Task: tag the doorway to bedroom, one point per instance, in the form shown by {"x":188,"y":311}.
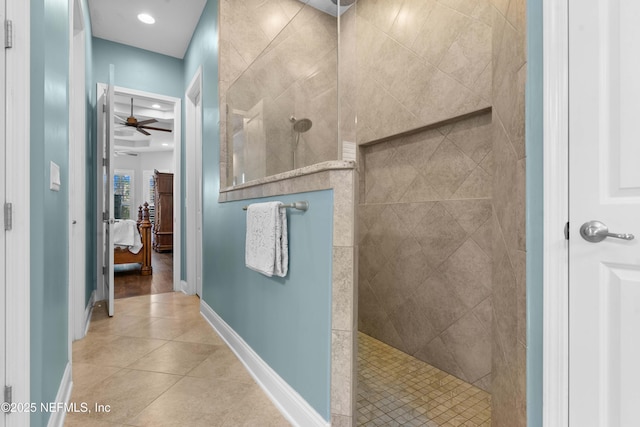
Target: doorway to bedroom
{"x":144,"y":178}
{"x":143,"y":172}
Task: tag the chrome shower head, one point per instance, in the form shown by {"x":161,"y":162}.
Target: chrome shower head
{"x":302,"y":125}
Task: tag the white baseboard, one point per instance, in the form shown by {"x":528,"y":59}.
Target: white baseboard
{"x":87,"y":313}
{"x":64,"y":395}
{"x":292,"y":406}
{"x":184,"y":287}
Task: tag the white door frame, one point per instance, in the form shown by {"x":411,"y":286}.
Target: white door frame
{"x":177,"y":140}
{"x":556,"y":214}
{"x":77,"y":173}
{"x":18,"y":171}
{"x":193,"y":174}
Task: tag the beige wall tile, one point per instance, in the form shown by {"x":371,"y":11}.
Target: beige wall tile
{"x":437,"y":354}
{"x":421,"y":270}
{"x":342,"y":294}
{"x":342,"y":371}
{"x":439,"y":31}
{"x":470,"y":344}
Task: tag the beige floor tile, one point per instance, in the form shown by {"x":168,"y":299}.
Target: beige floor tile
{"x":160,"y":335}
{"x":118,"y":352}
{"x":162,"y":417}
{"x":154,"y":309}
{"x":174,"y":358}
{"x":177,"y":298}
{"x":125,"y":305}
{"x":127,"y":393}
{"x":158,"y":328}
{"x":85,"y":375}
{"x":117,"y":325}
{"x":222,"y":364}
{"x":203,"y":333}
{"x":90,"y":341}
{"x":257,"y":410}
{"x":79,"y":420}
{"x":196,"y":395}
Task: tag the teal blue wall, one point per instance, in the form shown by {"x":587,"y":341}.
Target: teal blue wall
{"x":534,"y":135}
{"x":49,"y":313}
{"x":287,"y":321}
{"x":91,"y":159}
{"x":137,"y":68}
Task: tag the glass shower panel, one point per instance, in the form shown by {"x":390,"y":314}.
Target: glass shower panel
{"x":282,"y":111}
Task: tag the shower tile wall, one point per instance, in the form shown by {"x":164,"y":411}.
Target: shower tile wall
{"x":425,"y":284}
{"x":278,"y":59}
{"x":420,"y":62}
{"x":509,"y":268}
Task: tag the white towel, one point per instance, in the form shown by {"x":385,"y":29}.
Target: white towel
{"x":267,"y":248}
{"x":126,"y":234}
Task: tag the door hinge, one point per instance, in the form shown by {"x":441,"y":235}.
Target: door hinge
{"x":105,"y":163}
{"x":8,"y":391}
{"x":105,"y":216}
{"x":8,"y":216}
{"x":566,"y":231}
{"x":104,"y":270}
{"x":8,"y":34}
{"x":104,"y":108}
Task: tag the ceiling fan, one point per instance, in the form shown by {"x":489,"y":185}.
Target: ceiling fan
{"x":140,"y":126}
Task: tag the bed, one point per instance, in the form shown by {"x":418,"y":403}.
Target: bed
{"x":126,"y":249}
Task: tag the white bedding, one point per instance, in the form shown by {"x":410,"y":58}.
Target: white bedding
{"x":126,"y":235}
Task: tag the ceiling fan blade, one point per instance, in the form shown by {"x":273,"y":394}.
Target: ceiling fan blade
{"x":153,"y":128}
{"x":143,"y":131}
{"x":147,"y":122}
{"x":126,"y":153}
{"x":119,"y":118}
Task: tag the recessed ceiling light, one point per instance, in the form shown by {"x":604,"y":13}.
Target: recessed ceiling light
{"x":164,"y":144}
{"x":146,"y":18}
{"x":156,"y":105}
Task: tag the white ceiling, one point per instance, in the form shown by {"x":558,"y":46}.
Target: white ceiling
{"x":176,"y":20}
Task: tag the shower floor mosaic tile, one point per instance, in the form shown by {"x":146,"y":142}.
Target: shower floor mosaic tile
{"x":395,"y":389}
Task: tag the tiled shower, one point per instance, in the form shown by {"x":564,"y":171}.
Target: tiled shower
{"x":440,"y":130}
{"x":432,"y":92}
{"x":425,"y":246}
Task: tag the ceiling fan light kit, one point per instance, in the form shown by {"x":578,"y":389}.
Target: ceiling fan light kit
{"x":141,"y":126}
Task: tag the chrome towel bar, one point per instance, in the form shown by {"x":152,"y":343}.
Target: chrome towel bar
{"x":301,"y":206}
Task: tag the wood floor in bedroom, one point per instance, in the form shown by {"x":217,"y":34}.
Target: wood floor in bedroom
{"x":129,"y":283}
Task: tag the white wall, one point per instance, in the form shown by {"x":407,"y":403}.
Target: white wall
{"x":163,"y":161}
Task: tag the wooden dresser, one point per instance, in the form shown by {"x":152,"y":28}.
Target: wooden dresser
{"x":163,"y":221}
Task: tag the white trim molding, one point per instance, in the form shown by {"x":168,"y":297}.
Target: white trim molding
{"x":56,"y":419}
{"x":193,"y":177}
{"x":18,"y":173}
{"x":184,"y":287}
{"x":292,"y":406}
{"x":87,"y":313}
{"x":556,"y":214}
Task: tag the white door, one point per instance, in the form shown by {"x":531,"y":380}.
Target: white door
{"x":194,"y":185}
{"x":604,"y":146}
{"x":3,"y":259}
{"x":107,"y":189}
{"x":198,"y":167}
{"x":77,"y":201}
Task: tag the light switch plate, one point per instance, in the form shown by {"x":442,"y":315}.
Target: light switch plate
{"x":54,"y":177}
